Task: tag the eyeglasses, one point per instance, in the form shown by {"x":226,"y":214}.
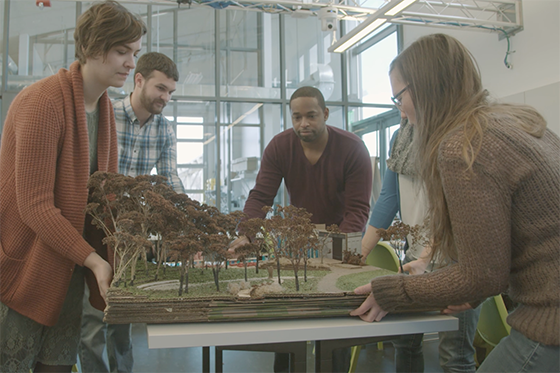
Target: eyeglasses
{"x":396,"y":99}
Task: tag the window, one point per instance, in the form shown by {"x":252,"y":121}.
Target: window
{"x":234,"y":86}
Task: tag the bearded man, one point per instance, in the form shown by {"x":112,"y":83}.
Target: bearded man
{"x":145,"y":140}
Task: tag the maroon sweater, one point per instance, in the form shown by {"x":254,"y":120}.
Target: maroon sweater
{"x":336,"y":189}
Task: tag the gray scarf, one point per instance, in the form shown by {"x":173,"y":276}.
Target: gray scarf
{"x":401,"y":159}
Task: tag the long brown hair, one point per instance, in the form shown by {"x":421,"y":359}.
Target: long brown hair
{"x":446,"y":89}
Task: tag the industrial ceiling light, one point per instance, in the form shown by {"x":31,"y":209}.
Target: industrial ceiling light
{"x":399,"y":7}
{"x":371,"y":23}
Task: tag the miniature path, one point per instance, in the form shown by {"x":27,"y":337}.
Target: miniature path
{"x":328,"y":283}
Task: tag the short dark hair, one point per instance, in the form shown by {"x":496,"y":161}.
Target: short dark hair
{"x":104,"y":26}
{"x":149,"y":62}
{"x":309,"y":92}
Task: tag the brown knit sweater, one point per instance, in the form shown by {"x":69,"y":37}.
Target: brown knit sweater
{"x":44,"y":169}
{"x":506,"y":225}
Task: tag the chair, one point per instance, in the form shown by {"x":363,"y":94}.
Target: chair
{"x":382,"y":256}
{"x":491,"y":328}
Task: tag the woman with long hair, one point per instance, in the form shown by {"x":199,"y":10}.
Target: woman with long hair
{"x":492,"y":178}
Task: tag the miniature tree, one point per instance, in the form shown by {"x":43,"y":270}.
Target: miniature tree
{"x":182,"y":248}
{"x":245,"y":251}
{"x":220,"y":229}
{"x":254,"y":230}
{"x":127,"y":244}
{"x":216,"y":251}
{"x":181,"y":237}
{"x":145,"y":195}
{"x":301,"y":233}
{"x":263,"y":242}
{"x":292,"y":230}
{"x":190,"y":214}
{"x":396,"y":234}
{"x":312,"y":245}
{"x":273,"y":228}
{"x":160,"y":219}
{"x":350,"y":257}
{"x":120,"y":208}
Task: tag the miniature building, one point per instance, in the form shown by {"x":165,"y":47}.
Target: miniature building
{"x":337,"y":243}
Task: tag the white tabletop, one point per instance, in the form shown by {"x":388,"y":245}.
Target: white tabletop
{"x":278,"y":331}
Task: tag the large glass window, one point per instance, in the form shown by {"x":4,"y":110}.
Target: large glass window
{"x":196,"y":147}
{"x":246,"y":129}
{"x":307,"y":59}
{"x":249,"y":64}
{"x":38,"y":48}
{"x":369,"y":85}
{"x":222,"y":131}
{"x":373,"y":69}
{"x":195,"y":52}
{"x":371,"y":140}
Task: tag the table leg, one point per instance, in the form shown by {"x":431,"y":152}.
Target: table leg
{"x":324,"y":349}
{"x":323,"y":357}
{"x":299,"y":360}
{"x":206,"y":360}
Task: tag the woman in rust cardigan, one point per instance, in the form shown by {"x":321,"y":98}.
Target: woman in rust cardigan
{"x":57,"y":132}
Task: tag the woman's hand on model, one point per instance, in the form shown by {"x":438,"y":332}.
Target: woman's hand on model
{"x":102,"y":271}
{"x":369,"y":310}
{"x":415,"y":267}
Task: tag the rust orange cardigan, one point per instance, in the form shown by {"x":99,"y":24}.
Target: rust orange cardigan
{"x":44,"y":169}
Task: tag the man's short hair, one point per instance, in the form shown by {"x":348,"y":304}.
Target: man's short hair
{"x":309,"y":92}
{"x":104,"y":26}
{"x":149,"y":62}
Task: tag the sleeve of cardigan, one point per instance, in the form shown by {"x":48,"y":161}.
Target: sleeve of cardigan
{"x":39,"y":130}
{"x":479,"y":210}
{"x":357,"y":193}
{"x":267,"y":183}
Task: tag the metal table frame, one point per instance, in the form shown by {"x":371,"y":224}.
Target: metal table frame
{"x":328,"y":334}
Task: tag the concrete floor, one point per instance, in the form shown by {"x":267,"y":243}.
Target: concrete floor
{"x":190,"y":359}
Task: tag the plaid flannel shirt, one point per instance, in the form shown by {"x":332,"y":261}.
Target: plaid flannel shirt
{"x":142,"y":148}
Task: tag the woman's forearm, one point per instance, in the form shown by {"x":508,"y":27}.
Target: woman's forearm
{"x":370,"y":239}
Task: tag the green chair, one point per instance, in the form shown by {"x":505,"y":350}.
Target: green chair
{"x":382,"y":256}
{"x":491,"y":328}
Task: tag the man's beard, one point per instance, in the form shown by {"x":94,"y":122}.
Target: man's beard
{"x":150,"y":106}
{"x":309,"y":137}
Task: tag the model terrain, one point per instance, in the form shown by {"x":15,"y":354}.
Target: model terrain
{"x":288,"y":268}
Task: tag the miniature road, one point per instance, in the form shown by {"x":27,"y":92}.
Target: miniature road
{"x":328,"y":283}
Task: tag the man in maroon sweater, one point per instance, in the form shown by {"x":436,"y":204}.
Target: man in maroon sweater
{"x":326,"y":170}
